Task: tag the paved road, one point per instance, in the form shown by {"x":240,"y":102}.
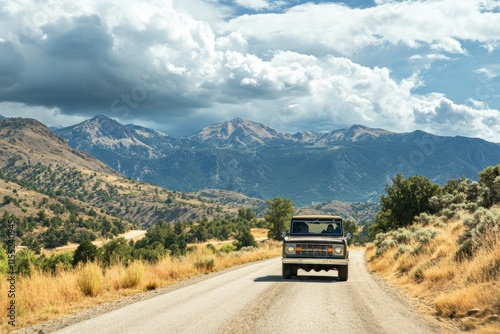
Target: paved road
{"x":255,"y":299}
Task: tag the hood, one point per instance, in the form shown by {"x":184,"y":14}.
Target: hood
{"x":317,"y":239}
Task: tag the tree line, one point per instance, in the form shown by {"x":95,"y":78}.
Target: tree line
{"x":162,"y":239}
{"x":406,"y":199}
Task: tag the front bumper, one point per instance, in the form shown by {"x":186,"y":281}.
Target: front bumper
{"x":337,"y":262}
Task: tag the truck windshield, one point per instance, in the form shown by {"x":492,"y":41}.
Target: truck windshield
{"x":316,"y":227}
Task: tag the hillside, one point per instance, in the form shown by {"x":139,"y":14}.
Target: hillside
{"x":352,"y":164}
{"x":446,"y":254}
{"x":58,"y":194}
{"x":24,"y":140}
{"x":427,"y":260}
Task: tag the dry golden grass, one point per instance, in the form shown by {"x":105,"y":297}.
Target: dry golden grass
{"x":43,"y":296}
{"x":467,"y":291}
{"x":90,"y":279}
{"x":486,"y":265}
{"x":122,"y":277}
{"x":259,"y":233}
{"x":459,"y":301}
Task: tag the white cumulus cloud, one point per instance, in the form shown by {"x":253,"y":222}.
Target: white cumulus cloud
{"x":182,"y":65}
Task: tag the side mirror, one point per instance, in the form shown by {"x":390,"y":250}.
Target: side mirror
{"x":349,"y":235}
{"x":283,"y":235}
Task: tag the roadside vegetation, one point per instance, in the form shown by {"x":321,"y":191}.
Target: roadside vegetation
{"x":160,"y":240}
{"x":68,"y":285}
{"x":442,"y":245}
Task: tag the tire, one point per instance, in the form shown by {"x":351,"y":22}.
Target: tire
{"x":287,"y":271}
{"x":343,"y":273}
{"x":294,"y":271}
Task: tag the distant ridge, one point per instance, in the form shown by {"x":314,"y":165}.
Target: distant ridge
{"x":352,"y":164}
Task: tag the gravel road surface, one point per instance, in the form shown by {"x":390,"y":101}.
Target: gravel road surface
{"x":255,"y":299}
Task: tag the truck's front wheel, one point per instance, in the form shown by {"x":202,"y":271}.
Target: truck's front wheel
{"x":287,"y":271}
{"x":343,"y":273}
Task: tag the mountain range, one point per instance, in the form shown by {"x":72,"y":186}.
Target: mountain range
{"x":352,"y":164}
{"x":57,"y":194}
{"x":43,"y":163}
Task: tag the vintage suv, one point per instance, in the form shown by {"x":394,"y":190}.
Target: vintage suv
{"x":315,"y":242}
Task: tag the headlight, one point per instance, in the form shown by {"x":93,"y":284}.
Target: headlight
{"x":338,"y":250}
{"x":290,"y":249}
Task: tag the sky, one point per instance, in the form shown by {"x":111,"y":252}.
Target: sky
{"x":180,"y":65}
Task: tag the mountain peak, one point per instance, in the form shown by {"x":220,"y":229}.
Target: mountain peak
{"x":238,"y":120}
{"x":102,"y":131}
{"x":103,"y":134}
{"x":103,"y":128}
{"x":358,"y":127}
{"x":102,"y":120}
{"x":238,"y":133}
{"x":100,"y":117}
{"x":359,"y":132}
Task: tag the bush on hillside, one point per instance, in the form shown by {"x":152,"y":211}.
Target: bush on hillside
{"x":86,"y":252}
{"x":405,"y":199}
{"x":489,"y":178}
{"x":415,"y":235}
{"x":483,"y":230}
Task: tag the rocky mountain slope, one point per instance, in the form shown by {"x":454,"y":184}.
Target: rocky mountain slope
{"x":58,"y":194}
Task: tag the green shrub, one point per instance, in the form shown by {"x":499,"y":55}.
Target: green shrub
{"x":425,"y":219}
{"x":204,"y":265}
{"x":401,"y":250}
{"x":402,"y":236}
{"x":483,"y":224}
{"x":4,"y":265}
{"x":385,"y":245}
{"x":25,"y":261}
{"x":424,"y":236}
{"x":212,"y":248}
{"x":448,"y":213}
{"x":86,"y":252}
{"x":227,"y":248}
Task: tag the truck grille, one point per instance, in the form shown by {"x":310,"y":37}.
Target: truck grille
{"x":313,"y":250}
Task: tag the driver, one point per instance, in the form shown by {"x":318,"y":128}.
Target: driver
{"x":329,"y":229}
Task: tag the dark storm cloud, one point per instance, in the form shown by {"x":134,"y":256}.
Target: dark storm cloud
{"x":71,"y":66}
{"x":11,"y":63}
{"x":75,"y":68}
{"x":83,"y":38}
